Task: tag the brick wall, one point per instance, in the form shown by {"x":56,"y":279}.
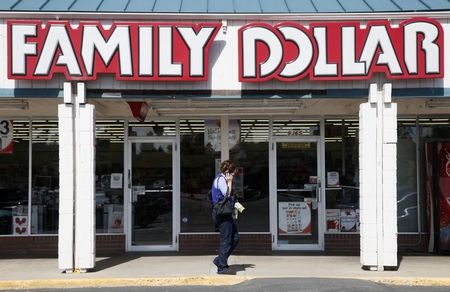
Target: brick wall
{"x":47,"y":246}
{"x":210,"y":242}
{"x":342,"y":243}
{"x":107,"y":245}
{"x":349,"y":243}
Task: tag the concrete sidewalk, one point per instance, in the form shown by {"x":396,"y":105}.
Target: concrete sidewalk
{"x":160,"y":270}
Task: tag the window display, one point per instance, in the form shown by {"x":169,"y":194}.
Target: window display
{"x":251,"y":154}
{"x":45,"y":177}
{"x":109,"y":176}
{"x":199,"y":164}
{"x":341,"y":166}
{"x":14,"y":165}
{"x":407,"y":176}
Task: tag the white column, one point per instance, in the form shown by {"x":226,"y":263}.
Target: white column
{"x":66,"y":128}
{"x":85,"y":182}
{"x":77,"y":181}
{"x":378,"y":179}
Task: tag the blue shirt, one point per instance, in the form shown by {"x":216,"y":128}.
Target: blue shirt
{"x":219,"y":189}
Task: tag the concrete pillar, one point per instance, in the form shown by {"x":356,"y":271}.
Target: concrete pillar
{"x":76,"y":241}
{"x":378,"y":179}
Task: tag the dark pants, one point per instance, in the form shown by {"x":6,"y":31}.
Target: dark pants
{"x":229,"y":239}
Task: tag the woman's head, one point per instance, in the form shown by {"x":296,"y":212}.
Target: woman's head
{"x":227,"y":166}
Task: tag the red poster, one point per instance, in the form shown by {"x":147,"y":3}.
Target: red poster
{"x":429,"y":193}
{"x":6,"y":136}
{"x":444,"y":195}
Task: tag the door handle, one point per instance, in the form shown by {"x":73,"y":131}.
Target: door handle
{"x":318,"y":192}
{"x":129,"y":178}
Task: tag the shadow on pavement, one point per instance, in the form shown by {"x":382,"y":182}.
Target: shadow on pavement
{"x":233,"y":269}
{"x":106,"y":263}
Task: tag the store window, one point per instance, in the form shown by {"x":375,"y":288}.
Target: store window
{"x":14,"y":158}
{"x":250,"y":152}
{"x":45,"y":177}
{"x":109,"y":176}
{"x":433,"y":152}
{"x":342,"y":176}
{"x":407,"y":175}
{"x":200,"y":161}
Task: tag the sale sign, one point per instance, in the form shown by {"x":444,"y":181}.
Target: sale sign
{"x":294,"y":218}
{"x":6,"y":136}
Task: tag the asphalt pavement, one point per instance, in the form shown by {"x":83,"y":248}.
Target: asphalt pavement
{"x":175,"y":271}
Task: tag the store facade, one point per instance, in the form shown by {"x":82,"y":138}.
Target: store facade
{"x":174,"y":96}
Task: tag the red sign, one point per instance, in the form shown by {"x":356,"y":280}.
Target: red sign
{"x":290,"y":51}
{"x":139,"y":109}
{"x":6,"y":136}
{"x":130,"y":50}
{"x":444,"y":195}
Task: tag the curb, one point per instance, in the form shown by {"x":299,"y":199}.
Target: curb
{"x":122,"y":282}
{"x":224,"y":280}
{"x":411,"y":281}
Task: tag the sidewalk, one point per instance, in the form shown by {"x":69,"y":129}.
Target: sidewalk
{"x":161,"y":270}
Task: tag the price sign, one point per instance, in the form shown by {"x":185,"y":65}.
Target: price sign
{"x":6,"y":136}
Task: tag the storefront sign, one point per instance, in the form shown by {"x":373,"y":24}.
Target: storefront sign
{"x":130,"y":50}
{"x":289,"y":51}
{"x":294,"y":218}
{"x":6,"y":136}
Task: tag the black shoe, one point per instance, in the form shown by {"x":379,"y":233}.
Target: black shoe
{"x":217,"y":264}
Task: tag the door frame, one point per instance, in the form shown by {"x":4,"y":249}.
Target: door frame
{"x":273,"y":192}
{"x":175,"y":194}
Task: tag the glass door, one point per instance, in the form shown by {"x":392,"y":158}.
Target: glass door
{"x":297,"y":195}
{"x":151,"y":187}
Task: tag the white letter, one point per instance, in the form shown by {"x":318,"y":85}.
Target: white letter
{"x":250,"y":37}
{"x":119,"y":40}
{"x":57,"y":37}
{"x":145,"y":51}
{"x":196,"y":44}
{"x":166,"y":67}
{"x":378,"y":37}
{"x":20,"y":49}
{"x":304,"y":59}
{"x":431,"y":33}
{"x":322,"y":68}
{"x":349,"y":64}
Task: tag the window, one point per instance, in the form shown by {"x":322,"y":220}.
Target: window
{"x":250,"y":153}
{"x":45,"y":177}
{"x":342,"y":176}
{"x":434,"y":134}
{"x":14,"y":181}
{"x":407,"y":175}
{"x":109,"y":176}
{"x":200,"y":161}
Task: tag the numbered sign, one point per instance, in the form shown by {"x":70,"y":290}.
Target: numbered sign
{"x":6,"y":136}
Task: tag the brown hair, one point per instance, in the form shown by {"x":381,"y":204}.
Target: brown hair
{"x":227,"y":166}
